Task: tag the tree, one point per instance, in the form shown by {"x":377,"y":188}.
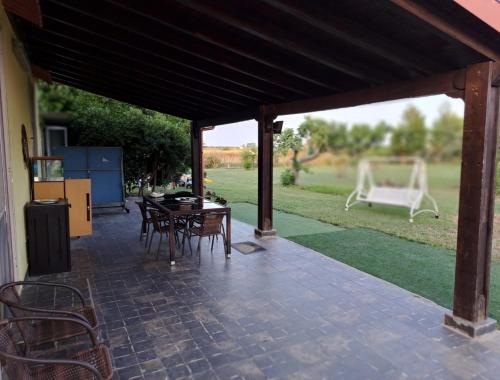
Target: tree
{"x":338,"y":137}
{"x":317,"y":133}
{"x":155,"y":146}
{"x":56,"y":97}
{"x":287,"y":141}
{"x":248,"y":156}
{"x":446,"y":135}
{"x":410,"y":136}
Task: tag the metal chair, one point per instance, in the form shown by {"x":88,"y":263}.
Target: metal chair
{"x":210,"y":225}
{"x":93,"y":363}
{"x":162,"y":227}
{"x":45,"y":330}
{"x":146,"y":221}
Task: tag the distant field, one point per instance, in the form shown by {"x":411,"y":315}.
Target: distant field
{"x":321,"y":194}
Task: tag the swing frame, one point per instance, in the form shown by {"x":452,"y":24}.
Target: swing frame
{"x":411,"y":196}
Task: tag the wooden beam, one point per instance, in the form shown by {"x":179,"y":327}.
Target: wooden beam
{"x":496,"y":74}
{"x":149,"y":97}
{"x":79,"y":52}
{"x":477,"y":200}
{"x":121,"y":96}
{"x":197,"y":158}
{"x":99,"y":16}
{"x":265,"y":174}
{"x":425,"y":86}
{"x":446,"y":27}
{"x":273,"y":34}
{"x":40,"y":73}
{"x":218,"y":37}
{"x":356,"y":34}
{"x":142,"y":54}
{"x":452,"y":83}
{"x":233,"y":117}
{"x":27,"y":9}
{"x":105,"y":76}
{"x":127,"y":73}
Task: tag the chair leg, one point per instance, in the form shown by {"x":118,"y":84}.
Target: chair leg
{"x":143,"y":227}
{"x":199,"y":252}
{"x":150,"y":241}
{"x":159,"y":246}
{"x":189,"y":241}
{"x":147,"y":234}
{"x":212,"y":247}
{"x":199,"y":242}
{"x":227,"y":250}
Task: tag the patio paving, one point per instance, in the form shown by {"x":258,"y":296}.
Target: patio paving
{"x":287,"y":313}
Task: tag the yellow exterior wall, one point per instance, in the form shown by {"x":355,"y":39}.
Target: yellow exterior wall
{"x":18,"y":110}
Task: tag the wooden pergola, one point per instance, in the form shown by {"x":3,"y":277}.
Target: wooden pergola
{"x":221,"y":62}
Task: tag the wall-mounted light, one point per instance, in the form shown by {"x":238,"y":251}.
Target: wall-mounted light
{"x":277,"y":127}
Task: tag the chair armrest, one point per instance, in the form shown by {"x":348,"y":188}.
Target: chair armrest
{"x":53,"y":362}
{"x":52,"y":284}
{"x":63,"y":313}
{"x":89,"y":329}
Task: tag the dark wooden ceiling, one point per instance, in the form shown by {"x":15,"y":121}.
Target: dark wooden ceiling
{"x":202,"y":59}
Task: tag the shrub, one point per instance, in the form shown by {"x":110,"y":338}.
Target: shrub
{"x":248,"y":158}
{"x":288,"y":178}
{"x":213,"y":162}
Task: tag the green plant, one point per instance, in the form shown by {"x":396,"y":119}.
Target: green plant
{"x":213,"y":162}
{"x":248,"y":158}
{"x":288,"y":177}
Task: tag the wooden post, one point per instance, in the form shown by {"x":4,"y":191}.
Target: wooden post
{"x":477,"y":198}
{"x":197,"y":158}
{"x":265,"y":175}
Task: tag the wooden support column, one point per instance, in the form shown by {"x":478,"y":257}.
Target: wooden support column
{"x":197,"y":158}
{"x":265,"y":175}
{"x":477,"y":198}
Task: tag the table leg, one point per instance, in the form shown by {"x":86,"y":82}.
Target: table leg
{"x":228,"y":234}
{"x":171,"y":239}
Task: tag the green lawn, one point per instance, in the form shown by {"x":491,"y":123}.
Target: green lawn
{"x":321,"y":195}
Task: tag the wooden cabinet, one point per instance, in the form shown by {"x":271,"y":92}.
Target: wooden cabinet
{"x":47,"y":182}
{"x":80,"y":207}
{"x":48,"y":238}
{"x":48,"y":190}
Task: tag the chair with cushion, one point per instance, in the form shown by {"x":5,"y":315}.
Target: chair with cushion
{"x":45,"y":331}
{"x":92,"y":363}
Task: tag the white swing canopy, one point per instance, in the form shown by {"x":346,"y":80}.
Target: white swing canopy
{"x":409,"y":196}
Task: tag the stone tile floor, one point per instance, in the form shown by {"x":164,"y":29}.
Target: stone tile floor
{"x":284,"y":313}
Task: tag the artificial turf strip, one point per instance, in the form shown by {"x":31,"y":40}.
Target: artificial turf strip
{"x":419,"y":268}
{"x":285,"y":223}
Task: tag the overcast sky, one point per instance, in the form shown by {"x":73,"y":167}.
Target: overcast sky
{"x":244,"y":132}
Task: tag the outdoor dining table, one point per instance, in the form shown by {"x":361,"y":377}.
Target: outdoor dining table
{"x":173,"y":209}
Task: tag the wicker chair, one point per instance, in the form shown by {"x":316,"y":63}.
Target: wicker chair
{"x":46,"y":330}
{"x":93,"y":363}
{"x":162,"y":228}
{"x":208,"y":225}
{"x":146,"y":221}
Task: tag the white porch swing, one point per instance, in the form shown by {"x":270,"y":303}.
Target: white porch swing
{"x":369,"y":191}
